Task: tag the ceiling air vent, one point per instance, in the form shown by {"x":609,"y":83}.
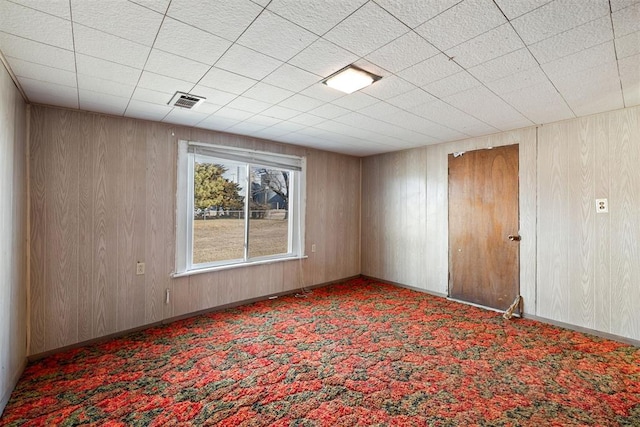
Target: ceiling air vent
{"x":186,"y":100}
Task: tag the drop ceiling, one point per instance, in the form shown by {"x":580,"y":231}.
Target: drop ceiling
{"x":451,"y":69}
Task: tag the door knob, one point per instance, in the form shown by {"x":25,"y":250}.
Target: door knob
{"x":514,"y":238}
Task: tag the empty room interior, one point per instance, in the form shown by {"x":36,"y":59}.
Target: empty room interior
{"x":204,"y":222}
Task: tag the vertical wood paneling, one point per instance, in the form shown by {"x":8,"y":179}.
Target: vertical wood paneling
{"x":602,"y":173}
{"x":105,"y":158}
{"x":62,"y":232}
{"x":625,"y":223}
{"x":13,"y":234}
{"x":38,"y":230}
{"x":552,"y":222}
{"x":158,"y":219}
{"x":85,"y":232}
{"x":580,"y":223}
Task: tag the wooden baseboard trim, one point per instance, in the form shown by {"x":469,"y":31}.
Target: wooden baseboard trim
{"x":612,"y":337}
{"x":38,"y":356}
{"x":402,"y":285}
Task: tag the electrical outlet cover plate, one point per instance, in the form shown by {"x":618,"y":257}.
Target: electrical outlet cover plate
{"x":140,"y":268}
{"x":602,"y":206}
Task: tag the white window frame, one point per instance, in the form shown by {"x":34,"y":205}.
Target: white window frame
{"x":188,"y":153}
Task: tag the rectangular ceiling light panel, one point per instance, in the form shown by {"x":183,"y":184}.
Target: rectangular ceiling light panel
{"x":350,"y":79}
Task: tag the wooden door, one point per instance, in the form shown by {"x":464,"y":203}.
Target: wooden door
{"x":484,"y":261}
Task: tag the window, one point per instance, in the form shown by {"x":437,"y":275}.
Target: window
{"x":237,"y":207}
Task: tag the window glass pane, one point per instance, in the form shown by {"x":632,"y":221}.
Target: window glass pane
{"x":218,"y":221}
{"x":269,"y":212}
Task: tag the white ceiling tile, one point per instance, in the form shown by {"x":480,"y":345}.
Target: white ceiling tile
{"x":271,"y":133}
{"x":511,"y":63}
{"x":621,"y":4}
{"x":492,"y":44}
{"x":462,"y":22}
{"x":57,"y":8}
{"x":170,"y":65}
{"x":157,"y":5}
{"x":267,"y":93}
{"x":513,"y":9}
{"x":190,"y":42}
{"x":481,"y":103}
{"x":36,"y":52}
{"x":163,"y":84}
{"x":317,"y":16}
{"x":628,"y":45}
{"x":540,"y":103}
{"x":416,"y":12}
{"x":233,"y":114}
{"x":388,"y":87}
{"x":102,"y":102}
{"x":569,"y":42}
{"x":591,"y":90}
{"x":246,"y":62}
{"x":280,"y":112}
{"x":245,"y":128}
{"x":366,"y":30}
{"x":207,"y":108}
{"x":214,"y":96}
{"x":558,"y":16}
{"x":98,"y":85}
{"x":430,"y":70}
{"x":630,"y":79}
{"x":276,"y":37}
{"x":227,"y":19}
{"x":307,"y":119}
{"x":455,"y":83}
{"x":105,"y":46}
{"x":355,"y":101}
{"x":447,"y":115}
{"x":291,"y":78}
{"x":527,"y":78}
{"x":248,"y":104}
{"x":226,"y":81}
{"x":41,"y":27}
{"x":261,"y":120}
{"x":627,"y":21}
{"x":181,"y":116}
{"x":147,"y":111}
{"x":403,"y":52}
{"x":411,"y":99}
{"x":120,"y":18}
{"x":588,"y":58}
{"x":287,"y":127}
{"x":106,"y":70}
{"x":43,"y":73}
{"x":323,"y":58}
{"x":40,"y":92}
{"x":149,"y":96}
{"x":322,"y":92}
{"x":217,"y":123}
{"x":380,"y":110}
{"x":328,"y":111}
{"x":301,"y":103}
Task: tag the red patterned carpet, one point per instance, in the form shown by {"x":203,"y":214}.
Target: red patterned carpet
{"x":360,"y":353}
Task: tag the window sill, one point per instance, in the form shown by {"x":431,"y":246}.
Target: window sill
{"x":232,"y":266}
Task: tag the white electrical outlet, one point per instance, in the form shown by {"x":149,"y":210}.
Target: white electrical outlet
{"x":313,"y":247}
{"x":602,"y":206}
{"x":140,"y":268}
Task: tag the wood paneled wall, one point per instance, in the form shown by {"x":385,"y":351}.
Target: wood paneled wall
{"x":103,"y":198}
{"x":13,"y":236}
{"x":576,"y":266}
{"x":588,"y":262}
{"x":405,"y":212}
